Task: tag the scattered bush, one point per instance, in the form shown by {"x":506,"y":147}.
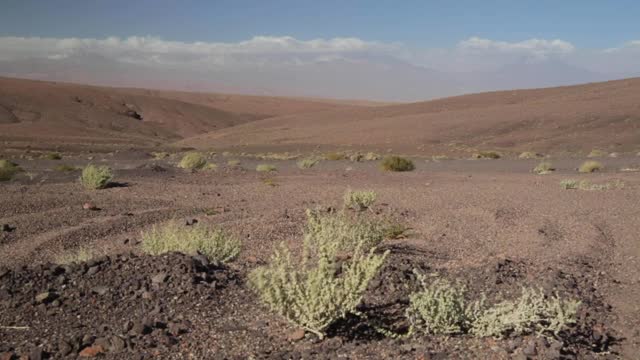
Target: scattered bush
{"x":396,"y":163}
{"x":441,"y":309}
{"x":79,"y":256}
{"x":544,"y":167}
{"x":359,"y":200}
{"x":65,"y":168}
{"x":531,"y":313}
{"x":159,"y":155}
{"x":265,"y":168}
{"x":210,"y":167}
{"x":596,"y":153}
{"x":233,"y":162}
{"x":569,"y":184}
{"x":335,"y":156}
{"x":96,"y":177}
{"x":487,"y":155}
{"x":315,"y":291}
{"x":439,"y":157}
{"x":270,"y":182}
{"x":394,"y":230}
{"x":8,"y":169}
{"x":340,"y":233}
{"x":370,"y":156}
{"x":529,"y":155}
{"x":307,"y":163}
{"x":52,"y":156}
{"x":590,"y":166}
{"x":193,"y":161}
{"x":213,"y":243}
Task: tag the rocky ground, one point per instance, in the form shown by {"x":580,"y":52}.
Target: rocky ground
{"x":492,"y":225}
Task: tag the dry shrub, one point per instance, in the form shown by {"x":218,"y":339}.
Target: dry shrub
{"x":192,"y":161}
{"x":359,"y":200}
{"x":96,"y":177}
{"x":590,"y":166}
{"x":265,"y":168}
{"x":396,"y":163}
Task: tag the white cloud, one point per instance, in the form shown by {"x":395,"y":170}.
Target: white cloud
{"x":534,"y":47}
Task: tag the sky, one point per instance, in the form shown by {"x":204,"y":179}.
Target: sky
{"x":220,"y":37}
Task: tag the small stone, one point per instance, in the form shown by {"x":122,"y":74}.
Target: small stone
{"x":116,"y":344}
{"x":56,"y":303}
{"x":45,"y":297}
{"x":89,"y":206}
{"x":296,"y":335}
{"x":530,"y":349}
{"x":100,"y":290}
{"x":64,"y":348}
{"x":140,"y":328}
{"x":159,"y":278}
{"x":93,"y":270}
{"x":91,"y":351}
{"x":191,"y":222}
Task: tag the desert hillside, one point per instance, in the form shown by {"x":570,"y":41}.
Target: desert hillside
{"x":33,"y":113}
{"x":572,"y":118}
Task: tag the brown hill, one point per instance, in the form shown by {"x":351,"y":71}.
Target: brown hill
{"x":571,"y":118}
{"x":38,"y":113}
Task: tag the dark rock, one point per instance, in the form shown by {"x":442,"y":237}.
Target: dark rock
{"x":140,"y":328}
{"x":7,"y":228}
{"x":3,"y":272}
{"x":190,"y":222}
{"x":64,"y":348}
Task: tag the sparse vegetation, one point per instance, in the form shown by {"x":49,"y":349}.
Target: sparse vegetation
{"x":395,"y":230}
{"x":335,"y":156}
{"x":590,"y":166}
{"x":52,"y":156}
{"x":371,"y":156}
{"x":544,"y":167}
{"x":531,"y":313}
{"x":307,"y":163}
{"x":96,"y":177}
{"x":439,"y":157}
{"x":569,"y":184}
{"x":78,"y":256}
{"x":233,"y":162}
{"x":529,"y":155}
{"x":210,"y":167}
{"x":597,"y":153}
{"x":441,"y":309}
{"x":265,"y":168}
{"x":342,"y":233}
{"x":359,"y":200}
{"x":159,"y":155}
{"x":396,"y":163}
{"x":215,"y":244}
{"x":270,"y":182}
{"x":8,"y":169}
{"x":193,"y":161}
{"x":65,"y":168}
{"x":487,"y":155}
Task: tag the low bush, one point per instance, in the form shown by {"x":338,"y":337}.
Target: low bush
{"x":335,"y":156}
{"x":590,"y":166}
{"x":215,"y":244}
{"x":193,"y":161}
{"x":159,"y":155}
{"x":544,"y":167}
{"x":532,"y":312}
{"x":569,"y":184}
{"x":307,"y":163}
{"x":210,"y":167}
{"x":597,"y":153}
{"x":265,"y":168}
{"x":395,"y":230}
{"x":359,"y":200}
{"x":529,"y":155}
{"x":65,"y":168}
{"x":233,"y":162}
{"x":341,"y":233}
{"x":8,"y":169}
{"x":441,"y":309}
{"x":371,"y":156}
{"x":53,"y":156}
{"x":396,"y":163}
{"x":487,"y":155}
{"x":96,"y":177}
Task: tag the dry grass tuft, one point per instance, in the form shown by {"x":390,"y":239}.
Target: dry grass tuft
{"x":543,"y":168}
{"x":266,"y":168}
{"x":590,"y":166}
{"x":396,"y":163}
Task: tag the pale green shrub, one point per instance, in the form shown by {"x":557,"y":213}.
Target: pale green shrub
{"x":529,"y":155}
{"x":359,"y":200}
{"x":487,"y":155}
{"x":307,"y":163}
{"x":159,"y":155}
{"x":590,"y":166}
{"x":315,"y":291}
{"x":265,"y":168}
{"x":338,"y":232}
{"x":210,"y":167}
{"x":569,"y":184}
{"x":531,"y":313}
{"x":233,"y":162}
{"x":597,"y":153}
{"x":441,"y":308}
{"x":8,"y":169}
{"x":335,"y":156}
{"x":396,"y":163}
{"x":52,"y":156}
{"x":65,"y":168}
{"x":192,"y":161}
{"x":79,"y":256}
{"x":371,"y":156}
{"x":213,"y":243}
{"x":544,"y":167}
{"x":96,"y":177}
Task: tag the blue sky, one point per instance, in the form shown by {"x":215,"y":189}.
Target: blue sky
{"x":585,"y":23}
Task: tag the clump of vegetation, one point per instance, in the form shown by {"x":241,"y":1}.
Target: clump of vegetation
{"x":371,"y":156}
{"x":316,"y":290}
{"x":159,"y":155}
{"x":79,"y":256}
{"x":590,"y":166}
{"x":531,"y":313}
{"x":210,"y":167}
{"x":359,"y":200}
{"x":52,"y":156}
{"x":395,"y":230}
{"x":596,"y":153}
{"x":544,"y":167}
{"x":441,"y":309}
{"x":335,"y":156}
{"x":307,"y":163}
{"x":487,"y":155}
{"x":233,"y":162}
{"x":215,"y":244}
{"x":569,"y":184}
{"x":396,"y":163}
{"x":8,"y":169}
{"x":265,"y":168}
{"x":270,"y":182}
{"x":529,"y":155}
{"x":193,"y":161}
{"x":96,"y":177}
{"x":439,"y":157}
{"x":65,"y":168}
{"x":342,"y":233}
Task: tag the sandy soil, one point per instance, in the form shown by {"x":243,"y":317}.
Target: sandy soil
{"x":489,"y":223}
